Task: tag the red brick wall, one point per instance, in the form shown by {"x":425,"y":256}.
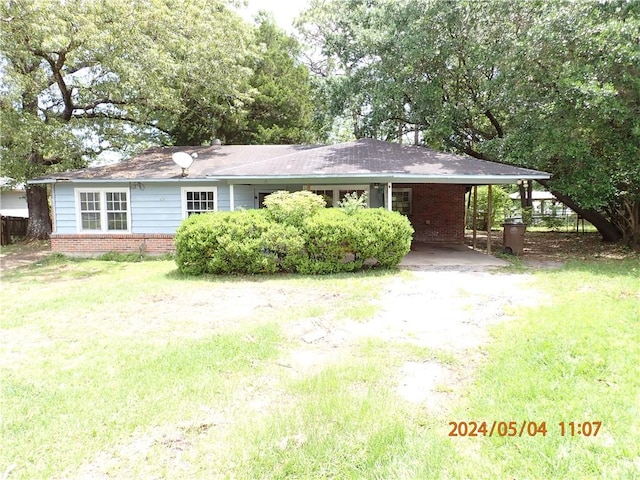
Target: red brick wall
{"x":437,"y":212}
{"x":95,"y":244}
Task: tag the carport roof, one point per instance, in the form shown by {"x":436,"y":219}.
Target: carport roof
{"x":364,"y":160}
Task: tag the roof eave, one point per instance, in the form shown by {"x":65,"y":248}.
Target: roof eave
{"x":323,"y":178}
{"x":385,"y":178}
{"x":43,"y":181}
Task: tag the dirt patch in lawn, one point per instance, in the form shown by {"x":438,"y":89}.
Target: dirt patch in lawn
{"x":446,"y":312}
{"x":438,"y":319}
{"x":23,"y":254}
{"x":552,"y":249}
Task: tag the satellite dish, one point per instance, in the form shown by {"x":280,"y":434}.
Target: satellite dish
{"x":182,"y":159}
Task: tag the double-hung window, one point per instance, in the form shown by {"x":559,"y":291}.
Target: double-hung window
{"x":199,"y":200}
{"x":103,"y":210}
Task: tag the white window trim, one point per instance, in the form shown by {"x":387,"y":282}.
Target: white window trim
{"x":183,"y":195}
{"x":103,"y":209}
{"x":336,"y":191}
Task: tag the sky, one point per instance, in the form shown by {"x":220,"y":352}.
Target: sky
{"x":284,"y":11}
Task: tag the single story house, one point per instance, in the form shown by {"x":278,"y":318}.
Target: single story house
{"x":137,"y":205}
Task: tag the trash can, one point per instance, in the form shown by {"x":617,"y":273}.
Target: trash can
{"x":513,"y":237}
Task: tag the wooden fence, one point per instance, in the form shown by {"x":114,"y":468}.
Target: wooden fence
{"x":12,"y":227}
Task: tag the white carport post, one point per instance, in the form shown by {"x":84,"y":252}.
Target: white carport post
{"x":475,"y":216}
{"x":231,"y":199}
{"x":489,"y":214}
{"x":388,"y":196}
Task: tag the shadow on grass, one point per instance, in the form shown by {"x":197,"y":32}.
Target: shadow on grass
{"x":608,"y":267}
{"x":53,"y":266}
{"x":264,"y":278}
{"x":629,"y":267}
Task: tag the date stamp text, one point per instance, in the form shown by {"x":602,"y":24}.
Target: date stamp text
{"x":524,"y":428}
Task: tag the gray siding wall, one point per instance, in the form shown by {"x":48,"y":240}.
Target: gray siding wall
{"x":155,"y":207}
{"x":64,"y":209}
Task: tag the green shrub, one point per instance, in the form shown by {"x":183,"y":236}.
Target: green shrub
{"x":553,"y":222}
{"x":289,"y":238}
{"x":382,"y":235}
{"x":352,"y":202}
{"x":292,"y":208}
{"x":500,"y":204}
{"x":224,"y":242}
{"x":328,"y":236}
{"x":195,"y":240}
{"x":286,"y":244}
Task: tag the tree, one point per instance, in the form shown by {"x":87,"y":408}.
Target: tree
{"x":281,"y":111}
{"x":84,"y":77}
{"x":582,"y":124}
{"x":276,"y":106}
{"x":547,"y":85}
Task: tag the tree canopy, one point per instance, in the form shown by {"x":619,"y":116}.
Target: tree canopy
{"x":275,"y":104}
{"x":117,"y":70}
{"x":81,"y":78}
{"x":282,"y":108}
{"x":547,"y":85}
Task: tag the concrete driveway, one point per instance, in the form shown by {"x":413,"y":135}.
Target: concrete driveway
{"x":447,"y":255}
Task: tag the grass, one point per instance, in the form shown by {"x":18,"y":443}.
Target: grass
{"x":576,"y":361}
{"x":565,"y":227}
{"x":344,"y":421}
{"x":95,"y":399}
{"x":129,"y":370}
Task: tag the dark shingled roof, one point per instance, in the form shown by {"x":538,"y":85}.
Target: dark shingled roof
{"x":361,"y":158}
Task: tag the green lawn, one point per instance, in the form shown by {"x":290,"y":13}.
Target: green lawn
{"x":129,"y":370}
{"x":574,"y":360}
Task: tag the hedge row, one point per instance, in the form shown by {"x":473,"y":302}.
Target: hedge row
{"x":295,"y":233}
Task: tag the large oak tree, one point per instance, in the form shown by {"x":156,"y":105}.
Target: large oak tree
{"x":83,"y":77}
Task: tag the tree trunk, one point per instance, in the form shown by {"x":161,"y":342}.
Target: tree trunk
{"x":627,"y":218}
{"x":609,"y":231}
{"x":39,"y":226}
{"x":526,"y":194}
{"x":634,"y":242}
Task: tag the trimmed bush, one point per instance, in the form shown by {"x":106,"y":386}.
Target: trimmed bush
{"x":382,"y":235}
{"x":295,"y":234}
{"x":328,"y":237}
{"x":292,"y":208}
{"x":286,"y":243}
{"x":224,"y":242}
